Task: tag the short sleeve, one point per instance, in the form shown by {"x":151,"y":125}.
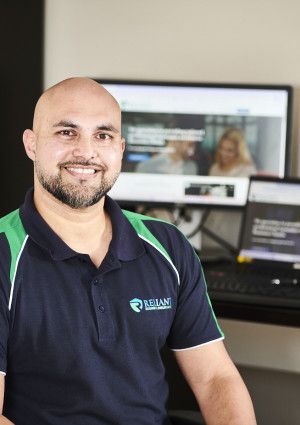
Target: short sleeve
{"x":195,"y":323}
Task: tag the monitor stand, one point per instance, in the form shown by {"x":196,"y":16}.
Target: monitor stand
{"x":201,"y":227}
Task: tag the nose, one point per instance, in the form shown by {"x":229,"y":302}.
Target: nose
{"x":84,"y":148}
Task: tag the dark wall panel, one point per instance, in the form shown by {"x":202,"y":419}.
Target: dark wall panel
{"x":21,"y":72}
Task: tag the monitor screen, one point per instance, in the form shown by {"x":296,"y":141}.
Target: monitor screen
{"x":271,"y":230}
{"x":197,"y":144}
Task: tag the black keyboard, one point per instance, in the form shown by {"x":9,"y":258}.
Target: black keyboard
{"x":229,"y":283}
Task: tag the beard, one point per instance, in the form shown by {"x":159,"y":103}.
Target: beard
{"x":78,"y":195}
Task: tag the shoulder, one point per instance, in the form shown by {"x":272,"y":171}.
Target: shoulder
{"x":11,"y":225}
{"x":214,"y":169}
{"x":150,"y":164}
{"x":166,"y":238}
{"x":151,"y":228}
{"x":189,"y":167}
{"x":9,"y":221}
{"x":12,"y":235}
{"x":244,"y":170}
{"x":251,"y":169}
{"x":12,"y":239}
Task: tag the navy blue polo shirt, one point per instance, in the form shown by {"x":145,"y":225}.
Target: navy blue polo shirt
{"x":80,"y":345}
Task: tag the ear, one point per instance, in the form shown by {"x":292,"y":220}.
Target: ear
{"x":29,"y":140}
{"x":123,"y":143}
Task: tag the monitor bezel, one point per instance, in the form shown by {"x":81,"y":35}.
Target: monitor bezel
{"x":251,"y":86}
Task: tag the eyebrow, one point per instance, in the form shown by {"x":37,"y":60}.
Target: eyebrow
{"x":107,"y":127}
{"x":71,"y":124}
{"x":64,"y":123}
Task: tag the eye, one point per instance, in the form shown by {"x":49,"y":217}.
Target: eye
{"x":67,"y":133}
{"x":104,"y":137}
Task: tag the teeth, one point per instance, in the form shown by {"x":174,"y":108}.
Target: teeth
{"x":82,"y":170}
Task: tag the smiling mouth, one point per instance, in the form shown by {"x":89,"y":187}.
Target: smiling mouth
{"x":82,"y":171}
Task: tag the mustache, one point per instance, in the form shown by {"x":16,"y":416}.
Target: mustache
{"x":99,"y":167}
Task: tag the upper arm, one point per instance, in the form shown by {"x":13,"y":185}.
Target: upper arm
{"x":204,"y":364}
{"x":3,"y":420}
{"x":1,"y":392}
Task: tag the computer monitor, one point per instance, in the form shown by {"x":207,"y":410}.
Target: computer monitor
{"x":197,"y":144}
{"x":271,"y":228}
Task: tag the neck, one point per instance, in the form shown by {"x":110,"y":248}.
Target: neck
{"x":227,"y":166}
{"x":86,"y":230}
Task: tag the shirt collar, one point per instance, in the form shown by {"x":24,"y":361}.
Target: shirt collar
{"x":125,"y":244}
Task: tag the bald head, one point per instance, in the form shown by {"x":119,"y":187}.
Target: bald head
{"x":72,"y":92}
{"x":76,"y":143}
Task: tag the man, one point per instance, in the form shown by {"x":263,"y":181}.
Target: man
{"x":176,"y":159}
{"x":90,"y":294}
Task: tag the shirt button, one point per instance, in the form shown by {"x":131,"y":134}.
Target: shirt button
{"x":102,"y":308}
{"x":95,"y":281}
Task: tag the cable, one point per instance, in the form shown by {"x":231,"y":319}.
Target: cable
{"x":201,"y":228}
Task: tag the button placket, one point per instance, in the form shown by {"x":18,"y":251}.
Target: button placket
{"x":103,"y":314}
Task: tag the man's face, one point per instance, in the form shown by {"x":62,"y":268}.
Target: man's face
{"x":78,"y":148}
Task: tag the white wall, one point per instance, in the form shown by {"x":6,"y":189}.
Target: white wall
{"x":192,"y":40}
{"x":263,"y":346}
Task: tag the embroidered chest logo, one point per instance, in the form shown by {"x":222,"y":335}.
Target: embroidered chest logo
{"x":138,"y":305}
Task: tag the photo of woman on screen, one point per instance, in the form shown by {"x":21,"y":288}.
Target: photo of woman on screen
{"x":232,"y":157}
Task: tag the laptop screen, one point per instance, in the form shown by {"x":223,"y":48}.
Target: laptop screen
{"x":271,"y":228}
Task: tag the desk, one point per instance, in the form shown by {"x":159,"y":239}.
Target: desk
{"x":266,"y":308}
{"x":257,"y":313}
{"x":264,"y":342}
